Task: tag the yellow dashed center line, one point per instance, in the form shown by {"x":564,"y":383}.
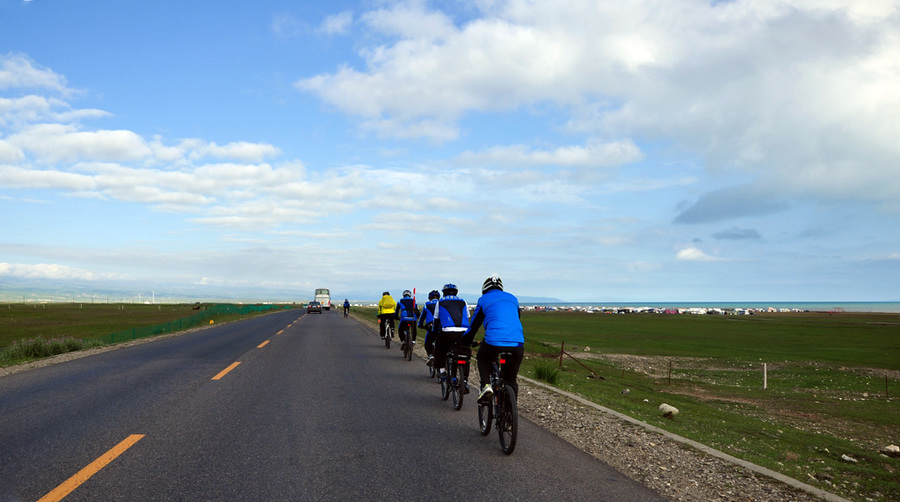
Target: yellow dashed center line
{"x":280,"y":332}
{"x":226,"y":370}
{"x":83,"y":475}
{"x":262,"y":344}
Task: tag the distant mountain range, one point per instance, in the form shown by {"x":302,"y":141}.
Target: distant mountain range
{"x":14,"y":290}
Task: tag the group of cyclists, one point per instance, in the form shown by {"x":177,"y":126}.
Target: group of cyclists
{"x":445,"y":317}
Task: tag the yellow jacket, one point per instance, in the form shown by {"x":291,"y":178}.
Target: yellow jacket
{"x":387,"y":305}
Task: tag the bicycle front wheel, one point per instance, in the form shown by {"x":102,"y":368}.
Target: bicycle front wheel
{"x":409,"y":345}
{"x":507,"y":420}
{"x":485,"y":417}
{"x":445,"y":389}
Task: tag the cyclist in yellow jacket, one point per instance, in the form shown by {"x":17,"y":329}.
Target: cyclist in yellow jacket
{"x":386,"y":308}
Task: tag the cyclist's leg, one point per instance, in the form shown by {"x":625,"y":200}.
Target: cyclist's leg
{"x":412,"y":326}
{"x":486,"y":355}
{"x":511,"y":368}
{"x":441,"y":344}
{"x":382,"y":325}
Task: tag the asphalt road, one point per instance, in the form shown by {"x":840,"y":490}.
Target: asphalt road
{"x":317,"y":409}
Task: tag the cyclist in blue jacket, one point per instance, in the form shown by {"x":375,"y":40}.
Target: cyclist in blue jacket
{"x":451,"y":324}
{"x":426,"y":322}
{"x":407,"y":312}
{"x":499,"y":312}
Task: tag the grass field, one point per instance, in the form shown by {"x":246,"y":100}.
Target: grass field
{"x":833,"y":385}
{"x":29,"y":331}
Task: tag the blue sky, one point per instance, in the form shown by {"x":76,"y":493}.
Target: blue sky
{"x":583,"y":150}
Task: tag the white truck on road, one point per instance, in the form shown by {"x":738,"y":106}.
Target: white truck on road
{"x":323,"y":297}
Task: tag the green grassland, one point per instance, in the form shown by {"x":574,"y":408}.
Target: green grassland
{"x":833,"y":386}
{"x":29,"y":331}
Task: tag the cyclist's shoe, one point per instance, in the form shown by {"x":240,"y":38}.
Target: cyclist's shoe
{"x":442,"y":376}
{"x":486,"y":393}
{"x":403,"y":347}
{"x":430,"y":361}
{"x":466,"y":389}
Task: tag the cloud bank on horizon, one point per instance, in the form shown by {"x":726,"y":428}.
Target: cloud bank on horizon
{"x":737,"y":150}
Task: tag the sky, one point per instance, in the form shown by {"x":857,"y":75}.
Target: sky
{"x":586,"y":150}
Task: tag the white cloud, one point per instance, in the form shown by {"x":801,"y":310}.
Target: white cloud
{"x":801,"y":95}
{"x":286,"y":25}
{"x":48,"y":271}
{"x":52,"y":143}
{"x":694,"y":254}
{"x":592,"y":155}
{"x":338,"y":24}
{"x":411,"y":19}
{"x":17,"y":71}
{"x":241,"y":150}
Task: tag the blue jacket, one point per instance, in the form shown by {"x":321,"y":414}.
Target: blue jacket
{"x":427,"y":315}
{"x":406,"y":309}
{"x":453,"y":314}
{"x":499,"y":311}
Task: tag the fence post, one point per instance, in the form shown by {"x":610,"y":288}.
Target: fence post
{"x":562,"y":349}
{"x":765,"y":376}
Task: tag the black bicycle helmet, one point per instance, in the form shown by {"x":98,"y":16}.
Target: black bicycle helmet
{"x":450,"y":289}
{"x":434,"y":295}
{"x":407,"y":293}
{"x":385,"y":294}
{"x":492,"y":282}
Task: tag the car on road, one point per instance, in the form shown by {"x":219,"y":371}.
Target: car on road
{"x":313,"y":306}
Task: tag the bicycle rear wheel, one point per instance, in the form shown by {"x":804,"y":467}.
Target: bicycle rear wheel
{"x":388,"y":333}
{"x":507,"y":420}
{"x":409,"y":344}
{"x":456,"y":386}
{"x":445,"y":384}
{"x":485,"y":417}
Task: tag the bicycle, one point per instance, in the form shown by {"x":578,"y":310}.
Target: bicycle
{"x":346,"y":312}
{"x":388,"y":333}
{"x":406,"y":339}
{"x":502,"y":407}
{"x":456,"y":383}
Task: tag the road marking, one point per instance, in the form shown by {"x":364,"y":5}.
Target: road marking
{"x":226,"y":370}
{"x":83,"y":475}
{"x":262,"y":344}
{"x":280,"y":332}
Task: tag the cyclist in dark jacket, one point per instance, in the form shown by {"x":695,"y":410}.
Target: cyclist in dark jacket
{"x":499,"y":312}
{"x":426,"y":322}
{"x":451,"y":324}
{"x":407,"y":312}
